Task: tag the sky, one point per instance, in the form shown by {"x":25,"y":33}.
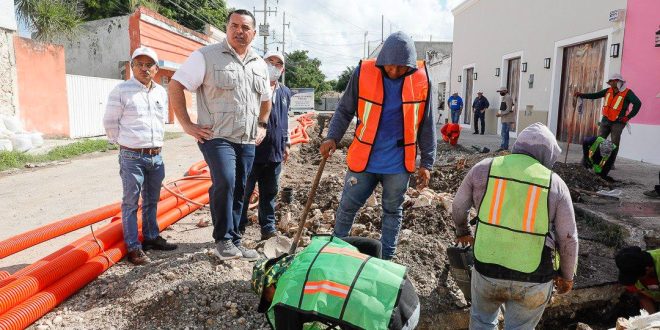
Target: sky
{"x":333,"y":31}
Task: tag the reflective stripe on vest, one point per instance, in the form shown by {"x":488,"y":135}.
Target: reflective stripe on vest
{"x":414,"y":96}
{"x":654,"y":294}
{"x":613,"y":103}
{"x":332,"y":278}
{"x":598,"y":167}
{"x":513,"y":215}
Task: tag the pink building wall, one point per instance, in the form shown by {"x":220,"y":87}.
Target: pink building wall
{"x":641,"y":59}
{"x":42,"y":98}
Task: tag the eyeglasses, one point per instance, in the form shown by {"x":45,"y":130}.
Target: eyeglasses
{"x":144,"y":65}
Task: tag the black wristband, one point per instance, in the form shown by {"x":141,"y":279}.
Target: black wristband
{"x":263,"y":124}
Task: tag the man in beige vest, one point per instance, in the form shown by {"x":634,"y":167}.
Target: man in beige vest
{"x":233,"y":105}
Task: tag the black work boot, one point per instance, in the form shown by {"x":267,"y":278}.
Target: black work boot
{"x":138,"y":257}
{"x":158,"y":243}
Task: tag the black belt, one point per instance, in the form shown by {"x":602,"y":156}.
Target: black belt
{"x":148,"y":151}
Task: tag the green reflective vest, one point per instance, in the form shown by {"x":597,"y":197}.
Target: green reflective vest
{"x":513,"y":215}
{"x":598,"y":167}
{"x":654,"y":294}
{"x":331,"y":278}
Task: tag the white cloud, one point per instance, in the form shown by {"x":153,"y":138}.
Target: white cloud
{"x":333,"y":31}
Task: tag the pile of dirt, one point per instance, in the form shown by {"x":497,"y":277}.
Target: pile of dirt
{"x":576,"y":176}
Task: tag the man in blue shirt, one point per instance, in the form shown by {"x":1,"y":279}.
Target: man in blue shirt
{"x":271,"y":153}
{"x":455,"y":103}
{"x":389,"y":160}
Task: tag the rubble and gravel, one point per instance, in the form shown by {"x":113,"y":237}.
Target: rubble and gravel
{"x":189,"y":288}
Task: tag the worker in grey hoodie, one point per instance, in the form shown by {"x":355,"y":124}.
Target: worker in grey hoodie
{"x":525,"y":226}
{"x":390,"y":98}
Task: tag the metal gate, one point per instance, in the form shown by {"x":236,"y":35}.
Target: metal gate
{"x":582,"y":71}
{"x":87,"y":97}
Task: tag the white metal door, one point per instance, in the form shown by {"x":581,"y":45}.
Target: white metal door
{"x":87,"y":98}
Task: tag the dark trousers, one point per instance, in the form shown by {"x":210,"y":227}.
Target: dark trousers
{"x":267,"y":176}
{"x":479,"y":117}
{"x":657,"y":186}
{"x":606,"y":128}
{"x":229,"y":164}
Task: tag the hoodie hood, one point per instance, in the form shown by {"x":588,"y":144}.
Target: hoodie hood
{"x":539,"y":142}
{"x":398,"y":49}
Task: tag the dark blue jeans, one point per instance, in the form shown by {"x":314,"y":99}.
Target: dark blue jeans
{"x":455,"y":115}
{"x":267,"y":175}
{"x":229,"y":164}
{"x":505,"y":135}
{"x":479,"y":117}
{"x":141,"y":174}
{"x":357,"y":188}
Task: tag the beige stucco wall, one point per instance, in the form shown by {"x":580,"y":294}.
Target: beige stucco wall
{"x":485,"y":31}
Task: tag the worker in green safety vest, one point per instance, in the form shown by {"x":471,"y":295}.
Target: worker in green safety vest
{"x":639,"y":271}
{"x":331,"y":283}
{"x":524,"y":219}
{"x":597,"y":154}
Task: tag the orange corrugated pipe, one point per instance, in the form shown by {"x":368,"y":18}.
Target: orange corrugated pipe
{"x":39,"y":235}
{"x":33,"y":237}
{"x":31,"y":282}
{"x":4,"y":274}
{"x":41,"y":303}
{"x":198,"y":168}
{"x":163,"y":206}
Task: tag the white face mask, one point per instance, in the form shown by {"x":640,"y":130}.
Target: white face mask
{"x":274,"y":72}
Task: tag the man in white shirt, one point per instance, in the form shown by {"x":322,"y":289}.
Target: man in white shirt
{"x":134,"y":119}
{"x":233,"y":104}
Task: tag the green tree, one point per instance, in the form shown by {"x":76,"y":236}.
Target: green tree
{"x":305,"y":72}
{"x":344,"y":77}
{"x":193,"y":14}
{"x":50,"y":19}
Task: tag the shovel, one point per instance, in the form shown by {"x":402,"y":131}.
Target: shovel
{"x":310,"y":198}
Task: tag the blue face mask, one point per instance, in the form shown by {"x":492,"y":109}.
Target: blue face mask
{"x":273,"y":72}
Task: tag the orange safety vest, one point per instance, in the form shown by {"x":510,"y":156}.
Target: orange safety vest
{"x":414,"y":96}
{"x":613,"y":103}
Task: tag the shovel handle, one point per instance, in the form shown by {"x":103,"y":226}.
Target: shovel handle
{"x":310,"y":199}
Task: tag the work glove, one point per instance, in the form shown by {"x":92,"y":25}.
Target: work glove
{"x":624,"y":119}
{"x":563,"y":285}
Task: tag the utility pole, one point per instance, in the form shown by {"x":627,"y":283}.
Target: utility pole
{"x":365,"y":45}
{"x":263,"y":29}
{"x":284,"y":24}
{"x":382,"y":27}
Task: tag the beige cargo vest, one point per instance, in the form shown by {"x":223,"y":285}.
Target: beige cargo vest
{"x":229,"y":99}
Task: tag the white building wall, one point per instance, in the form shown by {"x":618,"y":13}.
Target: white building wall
{"x":439,"y":70}
{"x":99,"y":48}
{"x":487,"y":33}
{"x":7,"y":15}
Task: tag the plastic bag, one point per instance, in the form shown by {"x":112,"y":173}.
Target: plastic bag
{"x":5,"y":145}
{"x":37,"y":139}
{"x":12,"y":124}
{"x":21,"y":142}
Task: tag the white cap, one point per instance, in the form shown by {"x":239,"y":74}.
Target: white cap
{"x":503,"y":89}
{"x":616,"y":76}
{"x":146,"y":51}
{"x":480,"y":92}
{"x":274,"y":54}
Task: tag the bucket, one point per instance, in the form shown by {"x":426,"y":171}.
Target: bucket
{"x":461,"y":261}
{"x":287,"y":195}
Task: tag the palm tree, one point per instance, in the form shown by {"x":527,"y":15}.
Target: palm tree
{"x":50,"y":19}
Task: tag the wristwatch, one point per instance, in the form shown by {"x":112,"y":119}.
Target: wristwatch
{"x":263,"y":124}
